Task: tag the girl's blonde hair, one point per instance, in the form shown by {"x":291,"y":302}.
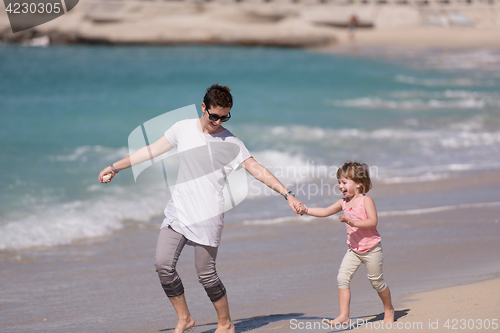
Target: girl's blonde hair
{"x":357,"y":172}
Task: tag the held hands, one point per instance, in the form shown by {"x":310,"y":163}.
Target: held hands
{"x":295,"y":204}
{"x":301,"y":209}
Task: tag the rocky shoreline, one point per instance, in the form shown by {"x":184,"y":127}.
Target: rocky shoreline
{"x":167,"y":23}
{"x":250,"y":23}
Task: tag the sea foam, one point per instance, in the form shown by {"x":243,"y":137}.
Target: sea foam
{"x":64,"y":223}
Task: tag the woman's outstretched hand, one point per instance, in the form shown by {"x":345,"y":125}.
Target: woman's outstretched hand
{"x":108,"y":172}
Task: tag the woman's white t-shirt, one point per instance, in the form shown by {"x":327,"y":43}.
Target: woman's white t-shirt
{"x":196,"y":208}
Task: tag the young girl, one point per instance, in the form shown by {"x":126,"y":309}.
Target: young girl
{"x":360,"y":217}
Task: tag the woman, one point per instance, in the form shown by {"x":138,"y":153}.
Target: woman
{"x":207,"y":154}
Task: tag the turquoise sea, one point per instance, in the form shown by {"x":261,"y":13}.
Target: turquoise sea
{"x":66,"y":113}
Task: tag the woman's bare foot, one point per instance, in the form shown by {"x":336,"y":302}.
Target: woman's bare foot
{"x":389,"y":315}
{"x":342,"y":319}
{"x":225,"y":329}
{"x":184,"y":325}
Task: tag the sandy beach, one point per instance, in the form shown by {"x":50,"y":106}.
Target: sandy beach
{"x":280,"y":276}
{"x":468,"y":307}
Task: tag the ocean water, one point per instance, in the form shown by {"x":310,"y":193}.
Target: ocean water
{"x":66,"y":113}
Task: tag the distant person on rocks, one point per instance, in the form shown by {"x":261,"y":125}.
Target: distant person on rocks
{"x":207,"y":153}
{"x":353,"y":24}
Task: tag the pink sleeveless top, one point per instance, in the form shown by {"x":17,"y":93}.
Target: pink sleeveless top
{"x":360,"y":240}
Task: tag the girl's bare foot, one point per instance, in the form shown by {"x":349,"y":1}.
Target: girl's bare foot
{"x":225,"y":329}
{"x":342,"y":319}
{"x":184,"y":325}
{"x":389,"y":315}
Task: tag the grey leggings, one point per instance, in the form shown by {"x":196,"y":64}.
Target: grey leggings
{"x":168,"y":250}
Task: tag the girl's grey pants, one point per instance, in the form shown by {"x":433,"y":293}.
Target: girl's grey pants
{"x":168,"y":250}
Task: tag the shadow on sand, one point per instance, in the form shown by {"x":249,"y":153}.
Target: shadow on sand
{"x":249,"y":324}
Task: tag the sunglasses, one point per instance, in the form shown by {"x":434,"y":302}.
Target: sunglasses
{"x":214,"y":117}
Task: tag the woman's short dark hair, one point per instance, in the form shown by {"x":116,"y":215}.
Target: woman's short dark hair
{"x":218,"y":96}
